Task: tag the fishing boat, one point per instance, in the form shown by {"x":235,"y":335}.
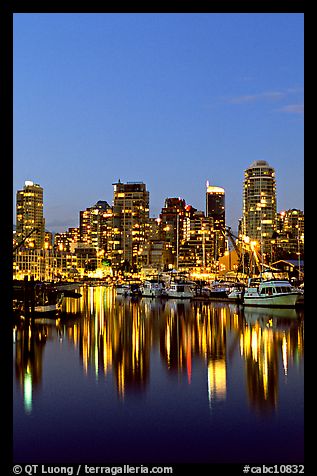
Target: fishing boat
{"x":270,"y":293}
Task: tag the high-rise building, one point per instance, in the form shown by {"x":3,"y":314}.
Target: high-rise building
{"x":67,"y":241}
{"x":29,"y":215}
{"x":215,"y":209}
{"x":92,"y":224}
{"x":174,"y":222}
{"x":130,"y":223}
{"x":289,"y":238}
{"x":259,"y":204}
{"x":198,"y":249}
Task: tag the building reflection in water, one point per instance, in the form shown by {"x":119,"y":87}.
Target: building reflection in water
{"x":29,"y":341}
{"x":116,"y":335}
{"x":269,"y":337}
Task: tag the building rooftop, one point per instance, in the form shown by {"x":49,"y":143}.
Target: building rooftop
{"x":259,"y":163}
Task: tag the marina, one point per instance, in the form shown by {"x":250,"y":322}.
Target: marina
{"x":158,"y":243}
{"x":138,"y":380}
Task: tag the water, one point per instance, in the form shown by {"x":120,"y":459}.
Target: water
{"x":152,"y":381}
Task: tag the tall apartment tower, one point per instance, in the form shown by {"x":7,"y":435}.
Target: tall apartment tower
{"x":259,"y":204}
{"x":93,"y":224}
{"x":130,"y":222}
{"x":29,"y":215}
{"x":174,"y":225}
{"x":215,"y":209}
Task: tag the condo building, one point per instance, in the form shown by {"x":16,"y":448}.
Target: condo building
{"x":290,"y":231}
{"x":174,"y":222}
{"x":29,"y":215}
{"x":198,"y":249}
{"x":94,"y":225}
{"x":215,"y":209}
{"x":130,"y":223}
{"x":259,"y":205}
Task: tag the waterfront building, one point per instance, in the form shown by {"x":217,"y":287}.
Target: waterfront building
{"x":156,"y":252}
{"x":174,"y":219}
{"x":215,"y":209}
{"x":37,"y":262}
{"x":197,"y":251}
{"x":48,"y":240}
{"x":87,"y":257}
{"x":74,"y":237}
{"x":67,"y":241}
{"x":289,"y":238}
{"x":93,"y":224}
{"x":29,"y":215}
{"x":259,"y":205}
{"x":130,"y":222}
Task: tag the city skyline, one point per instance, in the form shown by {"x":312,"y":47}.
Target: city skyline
{"x":172,"y":100}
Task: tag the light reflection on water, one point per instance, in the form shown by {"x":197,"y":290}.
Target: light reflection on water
{"x":139,"y":341}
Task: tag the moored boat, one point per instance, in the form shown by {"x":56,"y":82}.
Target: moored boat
{"x":217,"y":289}
{"x":270,"y":293}
{"x":153,"y":288}
{"x":180,"y":289}
{"x":122,"y":289}
{"x":134,"y":290}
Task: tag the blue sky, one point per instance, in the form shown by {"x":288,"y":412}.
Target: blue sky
{"x":169,"y":99}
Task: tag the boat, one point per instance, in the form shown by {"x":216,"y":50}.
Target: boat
{"x":37,"y":298}
{"x":153,"y":288}
{"x":134,"y":290}
{"x":300,"y":289}
{"x":48,"y":299}
{"x":180,"y":289}
{"x":236,"y":292}
{"x":122,"y":289}
{"x":217,"y":289}
{"x":270,"y":293}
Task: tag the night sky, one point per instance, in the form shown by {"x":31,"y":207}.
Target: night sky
{"x":172,"y":100}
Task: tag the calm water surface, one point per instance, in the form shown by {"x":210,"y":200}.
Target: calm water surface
{"x":152,"y":381}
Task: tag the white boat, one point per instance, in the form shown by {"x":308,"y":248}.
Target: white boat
{"x":153,"y":288}
{"x":178,"y":289}
{"x":270,"y":293}
{"x":236,"y":292}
